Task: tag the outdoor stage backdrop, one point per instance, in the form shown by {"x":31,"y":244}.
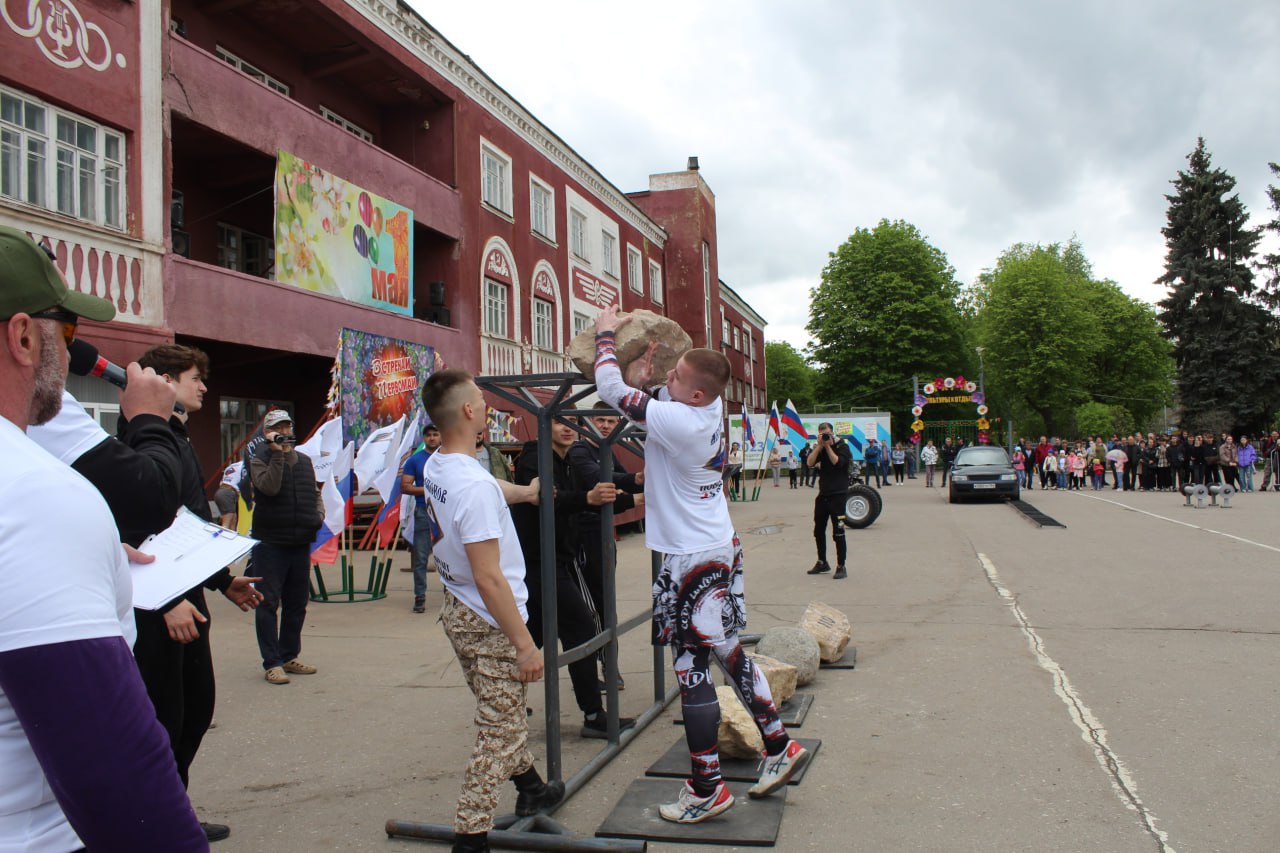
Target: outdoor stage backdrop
{"x":854,"y":428}
{"x":335,"y":238}
{"x":379,"y":379}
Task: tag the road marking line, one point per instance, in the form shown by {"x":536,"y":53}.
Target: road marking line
{"x":1183,"y":523}
{"x":1091,"y":729}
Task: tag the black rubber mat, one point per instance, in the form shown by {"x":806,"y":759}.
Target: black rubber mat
{"x":849,"y":660}
{"x":675,"y":763}
{"x":749,"y":823}
{"x":792,"y":712}
{"x":1035,"y":516}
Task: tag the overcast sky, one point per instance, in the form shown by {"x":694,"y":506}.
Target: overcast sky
{"x":983,"y":124}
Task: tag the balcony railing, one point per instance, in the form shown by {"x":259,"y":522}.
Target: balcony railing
{"x":101,"y":265}
{"x":499,"y":357}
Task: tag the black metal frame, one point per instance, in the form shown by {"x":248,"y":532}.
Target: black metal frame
{"x":540,"y":832}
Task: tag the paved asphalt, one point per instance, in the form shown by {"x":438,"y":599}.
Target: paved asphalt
{"x":1109,"y":686}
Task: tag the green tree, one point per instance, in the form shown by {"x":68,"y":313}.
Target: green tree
{"x":1095,"y":418}
{"x":1131,"y":366}
{"x":1270,"y":264}
{"x":885,"y":310}
{"x":1224,"y":341}
{"x":787,"y":376}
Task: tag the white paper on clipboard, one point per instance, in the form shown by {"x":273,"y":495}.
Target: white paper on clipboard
{"x":187,"y":554}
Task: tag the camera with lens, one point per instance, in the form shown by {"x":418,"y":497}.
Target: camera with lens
{"x":826,"y":437}
{"x":283,"y":440}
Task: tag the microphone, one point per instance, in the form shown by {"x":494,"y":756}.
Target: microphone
{"x":85,"y":361}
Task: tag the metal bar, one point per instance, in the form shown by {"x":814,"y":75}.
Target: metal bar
{"x":550,"y":606}
{"x":504,"y":839}
{"x":608,"y":568}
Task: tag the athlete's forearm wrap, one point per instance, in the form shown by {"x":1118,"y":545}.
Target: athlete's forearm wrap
{"x":612,"y":388}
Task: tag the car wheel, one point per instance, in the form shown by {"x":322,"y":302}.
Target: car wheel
{"x":1017,"y":494}
{"x":952,"y":497}
{"x":862,"y":507}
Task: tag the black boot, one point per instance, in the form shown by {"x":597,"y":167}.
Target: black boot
{"x":534,"y":794}
{"x":477,"y":842}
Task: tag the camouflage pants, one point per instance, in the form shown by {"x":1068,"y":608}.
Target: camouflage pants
{"x":502,"y":741}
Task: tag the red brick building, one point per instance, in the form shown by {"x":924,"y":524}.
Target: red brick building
{"x":141,"y":139}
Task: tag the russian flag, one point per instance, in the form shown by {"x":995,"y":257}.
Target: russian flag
{"x":388,"y":486}
{"x":774,"y":421}
{"x":797,"y":435}
{"x":748,"y":435}
{"x":336,"y":494}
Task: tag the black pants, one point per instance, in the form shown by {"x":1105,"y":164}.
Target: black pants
{"x":179,"y":680}
{"x":898,"y":469}
{"x":830,"y":507}
{"x":286,"y":588}
{"x":577,"y":622}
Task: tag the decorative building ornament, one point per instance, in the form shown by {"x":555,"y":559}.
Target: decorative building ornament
{"x":62,"y":34}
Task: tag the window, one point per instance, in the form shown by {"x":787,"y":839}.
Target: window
{"x":543,"y":325}
{"x":254,"y":72}
{"x":655,"y":282}
{"x":737,"y":340}
{"x":83,"y":178}
{"x":349,"y":126}
{"x":495,"y":178}
{"x":245,"y":252}
{"x":495,"y":308}
{"x":634,"y":280}
{"x":746,"y":336}
{"x":542,"y":210}
{"x":581,"y":322}
{"x":724,"y":331}
{"x":241,"y":417}
{"x":578,"y":234}
{"x":609,"y":248}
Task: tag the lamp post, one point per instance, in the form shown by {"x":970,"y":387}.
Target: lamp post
{"x":982,"y":383}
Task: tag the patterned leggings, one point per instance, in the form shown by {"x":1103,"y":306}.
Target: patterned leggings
{"x":702,"y":709}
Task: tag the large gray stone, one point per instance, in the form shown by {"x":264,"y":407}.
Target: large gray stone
{"x":632,"y":341}
{"x":794,"y":646}
{"x":829,"y":627}
{"x":739,"y":734}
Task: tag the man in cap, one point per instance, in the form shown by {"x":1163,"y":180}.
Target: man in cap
{"x":287,"y":514}
{"x":83,"y":761}
{"x":411,"y":484}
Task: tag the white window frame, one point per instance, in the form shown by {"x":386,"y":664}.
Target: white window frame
{"x":544,"y":324}
{"x":635,"y":280}
{"x":82,"y":176}
{"x":547,"y":229}
{"x":581,"y":322}
{"x":251,"y":70}
{"x":346,"y":124}
{"x":495,"y":178}
{"x":724,"y":329}
{"x":609,"y":252}
{"x":746,"y":337}
{"x":578,"y":234}
{"x":655,"y":282}
{"x":497,"y":305}
{"x":737,"y":339}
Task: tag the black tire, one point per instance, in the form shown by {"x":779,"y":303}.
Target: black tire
{"x":952,"y":497}
{"x":862,"y":507}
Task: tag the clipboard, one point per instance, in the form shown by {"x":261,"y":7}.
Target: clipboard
{"x":187,"y":554}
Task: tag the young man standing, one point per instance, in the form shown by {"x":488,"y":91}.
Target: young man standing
{"x":484,"y":610}
{"x":830,"y":458}
{"x":698,"y":601}
{"x":411,"y":484}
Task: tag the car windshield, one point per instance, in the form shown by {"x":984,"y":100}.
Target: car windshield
{"x":981,"y":456}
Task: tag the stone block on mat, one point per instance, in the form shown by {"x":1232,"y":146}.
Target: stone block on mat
{"x":781,"y":677}
{"x":739,"y":736}
{"x":631,"y":342}
{"x":829,"y":627}
{"x":794,"y":646}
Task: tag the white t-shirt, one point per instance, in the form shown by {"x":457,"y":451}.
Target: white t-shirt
{"x":684,"y":508}
{"x":63,"y":577}
{"x":465,"y":505}
{"x":72,"y":432}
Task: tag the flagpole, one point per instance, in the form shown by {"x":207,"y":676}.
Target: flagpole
{"x":769,"y":428}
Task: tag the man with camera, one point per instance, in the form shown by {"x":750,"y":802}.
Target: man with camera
{"x":830,"y":459}
{"x":287,"y":514}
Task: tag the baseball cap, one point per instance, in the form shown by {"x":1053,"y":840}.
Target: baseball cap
{"x":30,"y":283}
{"x":277,"y":416}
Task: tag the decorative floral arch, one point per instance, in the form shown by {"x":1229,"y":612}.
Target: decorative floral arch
{"x":961,"y":391}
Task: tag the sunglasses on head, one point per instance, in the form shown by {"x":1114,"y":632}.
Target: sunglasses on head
{"x":66,"y":318}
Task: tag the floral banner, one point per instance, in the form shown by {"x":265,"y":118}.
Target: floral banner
{"x":379,"y":379}
{"x":335,"y":238}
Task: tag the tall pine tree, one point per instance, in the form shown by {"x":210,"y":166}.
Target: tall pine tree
{"x":1224,"y":341}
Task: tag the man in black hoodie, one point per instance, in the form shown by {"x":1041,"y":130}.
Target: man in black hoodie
{"x":173,"y":643}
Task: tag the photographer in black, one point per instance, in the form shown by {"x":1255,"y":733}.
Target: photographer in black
{"x":830,"y":459}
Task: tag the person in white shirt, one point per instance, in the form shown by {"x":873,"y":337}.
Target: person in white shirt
{"x":698,"y":602}
{"x":484,"y":612}
{"x":83,"y":761}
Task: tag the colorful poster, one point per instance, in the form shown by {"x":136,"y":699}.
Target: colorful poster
{"x":335,"y":238}
{"x":853,"y":428}
{"x":379,"y":379}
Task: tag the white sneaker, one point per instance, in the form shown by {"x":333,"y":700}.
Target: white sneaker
{"x":690,"y":808}
{"x":778,"y":769}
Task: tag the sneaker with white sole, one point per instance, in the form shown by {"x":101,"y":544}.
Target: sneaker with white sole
{"x":778,"y":769}
{"x":690,"y":808}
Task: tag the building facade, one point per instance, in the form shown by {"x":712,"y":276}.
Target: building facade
{"x":142,"y":140}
